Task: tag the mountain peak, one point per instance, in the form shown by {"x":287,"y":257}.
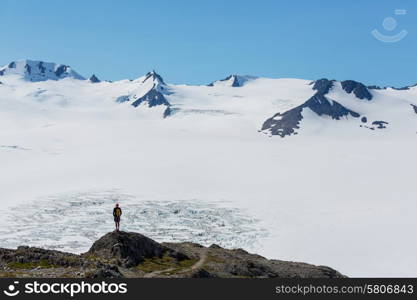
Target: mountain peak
{"x":94,"y":79}
{"x":287,"y":123}
{"x":151,"y":91}
{"x":359,"y":89}
{"x":35,"y":70}
{"x":233,"y":80}
{"x":157,"y":79}
{"x":323,"y":86}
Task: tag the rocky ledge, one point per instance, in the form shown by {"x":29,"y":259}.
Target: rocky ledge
{"x":128,"y":254}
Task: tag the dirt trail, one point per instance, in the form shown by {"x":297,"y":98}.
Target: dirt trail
{"x":197,"y":265}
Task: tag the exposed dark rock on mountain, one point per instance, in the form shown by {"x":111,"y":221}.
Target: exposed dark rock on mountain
{"x":94,"y":79}
{"x":286,"y":123}
{"x":235,"y":80}
{"x":128,"y":254}
{"x":59,"y":71}
{"x":122,"y":99}
{"x":168,"y":112}
{"x":322,"y":106}
{"x":322,"y":86}
{"x":153,"y":98}
{"x":380,"y":124}
{"x":403,"y":88}
{"x":155,"y":77}
{"x":360,"y":90}
{"x":364,"y":119}
{"x":31,"y":70}
{"x":414,"y":107}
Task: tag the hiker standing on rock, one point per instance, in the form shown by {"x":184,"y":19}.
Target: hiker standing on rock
{"x":117,"y":212}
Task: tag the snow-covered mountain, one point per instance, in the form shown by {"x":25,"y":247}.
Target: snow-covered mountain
{"x":31,"y":70}
{"x":282,"y":107}
{"x":150,"y":92}
{"x":352,"y":103}
{"x":233,"y":80}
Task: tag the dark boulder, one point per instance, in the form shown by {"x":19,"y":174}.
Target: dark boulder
{"x":105,"y":271}
{"x":130,"y":248}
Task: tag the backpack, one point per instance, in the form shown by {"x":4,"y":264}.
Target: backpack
{"x":118,"y":212}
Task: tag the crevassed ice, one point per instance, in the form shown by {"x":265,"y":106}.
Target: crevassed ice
{"x":72,"y":222}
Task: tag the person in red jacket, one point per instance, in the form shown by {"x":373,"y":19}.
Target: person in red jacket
{"x":117,"y":212}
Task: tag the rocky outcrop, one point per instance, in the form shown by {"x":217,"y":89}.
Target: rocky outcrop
{"x":233,"y":80}
{"x":130,"y":249}
{"x":94,"y":79}
{"x":155,"y":77}
{"x":31,"y":256}
{"x":380,"y":124}
{"x":322,"y":86}
{"x":359,"y":89}
{"x":286,"y":123}
{"x":31,"y":70}
{"x":152,"y":98}
{"x":226,"y":263}
{"x":129,"y":254}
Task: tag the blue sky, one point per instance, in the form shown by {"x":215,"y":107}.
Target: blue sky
{"x":196,"y":42}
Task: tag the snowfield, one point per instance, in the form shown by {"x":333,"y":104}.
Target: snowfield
{"x":335,"y":194}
